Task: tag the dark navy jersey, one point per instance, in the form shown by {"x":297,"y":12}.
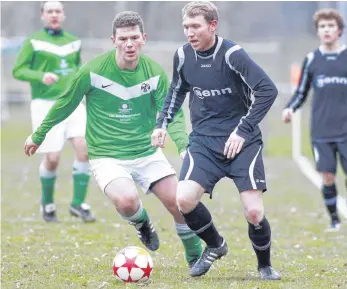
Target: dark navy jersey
{"x":327,"y":74}
{"x":228,"y":91}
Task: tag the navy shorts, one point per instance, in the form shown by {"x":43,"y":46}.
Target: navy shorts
{"x":205,"y":164}
{"x":325,"y":156}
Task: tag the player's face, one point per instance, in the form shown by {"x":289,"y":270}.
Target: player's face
{"x":328,"y":31}
{"x":129,"y":42}
{"x":199,"y":32}
{"x":53,"y":15}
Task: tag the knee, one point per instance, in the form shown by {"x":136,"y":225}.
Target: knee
{"x":254,"y":214}
{"x":128,"y":203}
{"x":185,"y":200}
{"x":124,"y":201}
{"x":52,"y":161}
{"x":328,"y":179}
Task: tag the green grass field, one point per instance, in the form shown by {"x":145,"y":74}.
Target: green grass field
{"x":72,"y":254}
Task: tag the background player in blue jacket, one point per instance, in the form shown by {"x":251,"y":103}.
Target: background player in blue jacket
{"x":229,"y":96}
{"x":325,"y":69}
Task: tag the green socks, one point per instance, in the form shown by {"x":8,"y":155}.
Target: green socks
{"x":191,"y":242}
{"x":47,"y":185}
{"x":80,"y":182}
{"x":139,"y":217}
{"x":80,"y":185}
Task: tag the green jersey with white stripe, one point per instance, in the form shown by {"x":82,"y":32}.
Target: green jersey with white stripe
{"x":46,"y":52}
{"x":122,"y":107}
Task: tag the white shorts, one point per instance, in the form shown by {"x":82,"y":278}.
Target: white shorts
{"x":143,"y":171}
{"x":73,"y":126}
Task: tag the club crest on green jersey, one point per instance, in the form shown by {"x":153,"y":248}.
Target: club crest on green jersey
{"x":64,"y":67}
{"x":145,"y":87}
{"x":63,"y":64}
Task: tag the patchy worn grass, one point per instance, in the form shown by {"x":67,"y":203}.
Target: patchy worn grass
{"x":76,"y":255}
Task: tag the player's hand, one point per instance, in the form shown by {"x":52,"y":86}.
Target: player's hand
{"x":287,"y":115}
{"x":183,"y":154}
{"x":30,"y":147}
{"x":233,"y":145}
{"x":158,"y":137}
{"x":49,"y":78}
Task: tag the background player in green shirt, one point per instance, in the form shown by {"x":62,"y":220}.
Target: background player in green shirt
{"x":48,"y":60}
{"x":124,"y":91}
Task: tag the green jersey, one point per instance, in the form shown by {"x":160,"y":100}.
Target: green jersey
{"x":122,"y":108}
{"x":45,"y":52}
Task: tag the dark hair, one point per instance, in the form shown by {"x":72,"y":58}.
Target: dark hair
{"x":127,"y":19}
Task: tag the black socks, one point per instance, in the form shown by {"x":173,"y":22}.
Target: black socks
{"x":260,"y":236}
{"x":200,"y":222}
{"x":330,"y":198}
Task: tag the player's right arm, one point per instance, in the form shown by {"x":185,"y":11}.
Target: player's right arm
{"x":173,"y":101}
{"x":300,"y":94}
{"x":22,"y":68}
{"x":63,"y":107}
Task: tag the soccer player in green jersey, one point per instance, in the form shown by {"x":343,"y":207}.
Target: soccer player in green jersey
{"x":48,"y":60}
{"x":124,"y":91}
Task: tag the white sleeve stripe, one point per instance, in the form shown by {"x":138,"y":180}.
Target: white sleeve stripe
{"x":310,"y":57}
{"x":231,"y":50}
{"x":303,"y":83}
{"x":219,"y":44}
{"x":227,"y":59}
{"x":181,"y":58}
{"x":242,"y":118}
{"x":297,"y":100}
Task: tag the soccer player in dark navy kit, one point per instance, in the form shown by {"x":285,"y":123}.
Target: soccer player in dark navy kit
{"x":229,"y":96}
{"x":325,"y":70}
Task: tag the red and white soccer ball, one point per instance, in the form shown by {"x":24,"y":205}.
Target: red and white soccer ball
{"x":132,"y":264}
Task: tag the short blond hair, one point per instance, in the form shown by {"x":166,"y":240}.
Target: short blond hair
{"x":44,"y":2}
{"x":204,"y":8}
{"x":328,"y":14}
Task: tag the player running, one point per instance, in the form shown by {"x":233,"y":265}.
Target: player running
{"x":229,"y":96}
{"x":124,"y":91}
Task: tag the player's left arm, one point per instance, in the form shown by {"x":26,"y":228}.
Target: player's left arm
{"x":263,"y":90}
{"x":177,"y":128}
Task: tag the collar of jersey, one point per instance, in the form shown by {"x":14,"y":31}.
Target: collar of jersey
{"x":54,"y":32}
{"x":210,"y":51}
{"x":342,"y":48}
{"x":219,"y":44}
